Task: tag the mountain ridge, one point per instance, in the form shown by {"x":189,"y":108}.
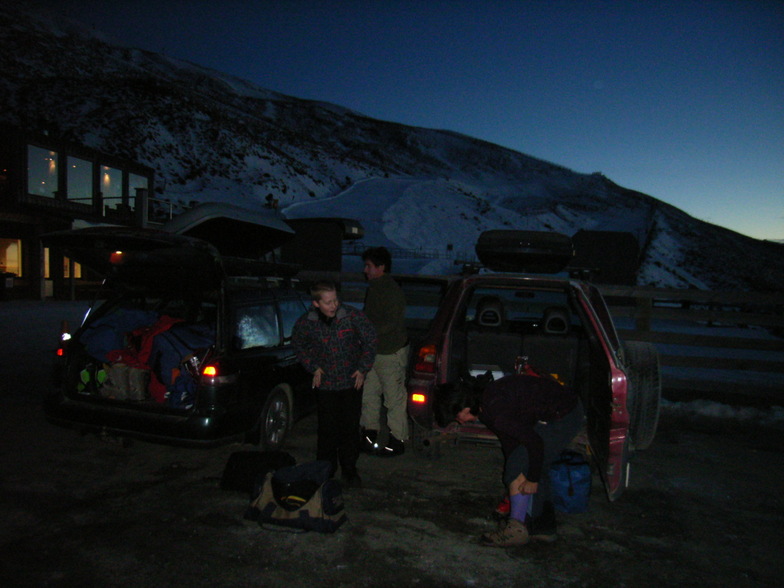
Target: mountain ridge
{"x":211,"y":136}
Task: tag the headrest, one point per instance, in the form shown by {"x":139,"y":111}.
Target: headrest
{"x":490,"y":312}
{"x":556,"y":321}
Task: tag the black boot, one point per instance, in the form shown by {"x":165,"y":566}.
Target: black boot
{"x":368,"y":443}
{"x":393,"y":447}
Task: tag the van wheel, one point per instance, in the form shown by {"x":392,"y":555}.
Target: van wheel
{"x":274,"y":422}
{"x":643,"y":392}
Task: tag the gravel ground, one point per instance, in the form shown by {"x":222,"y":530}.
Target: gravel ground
{"x":704,"y":507}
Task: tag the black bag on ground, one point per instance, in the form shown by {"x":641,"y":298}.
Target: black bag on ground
{"x":302,"y":497}
{"x":246,"y":470}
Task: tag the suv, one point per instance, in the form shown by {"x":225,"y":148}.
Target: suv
{"x":189,"y":346}
{"x":490,"y":323}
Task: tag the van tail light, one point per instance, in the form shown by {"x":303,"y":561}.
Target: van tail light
{"x":426,"y":359}
{"x":215,"y":373}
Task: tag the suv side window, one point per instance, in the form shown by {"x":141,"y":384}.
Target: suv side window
{"x":256,"y":326}
{"x":290,"y":310}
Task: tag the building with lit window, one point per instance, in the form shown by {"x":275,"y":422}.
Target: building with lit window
{"x":48,"y":185}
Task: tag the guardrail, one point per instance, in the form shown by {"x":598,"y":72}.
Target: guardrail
{"x":724,"y":346}
{"x":721,"y":346}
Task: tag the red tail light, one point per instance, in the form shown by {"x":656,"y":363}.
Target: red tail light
{"x":216,"y":373}
{"x":426,"y":359}
{"x":418,"y":398}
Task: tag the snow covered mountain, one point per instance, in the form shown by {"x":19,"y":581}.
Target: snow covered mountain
{"x":213,"y":137}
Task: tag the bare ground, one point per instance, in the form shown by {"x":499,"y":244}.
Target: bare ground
{"x":704,"y":508}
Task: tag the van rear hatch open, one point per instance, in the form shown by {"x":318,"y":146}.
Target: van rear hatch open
{"x":188,"y":252}
{"x":141,"y":259}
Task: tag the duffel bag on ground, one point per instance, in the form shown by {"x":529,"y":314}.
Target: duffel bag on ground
{"x":245,"y":471}
{"x":302,"y":497}
{"x":570,"y":478}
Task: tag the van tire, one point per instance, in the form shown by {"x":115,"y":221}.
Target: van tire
{"x":274,"y":422}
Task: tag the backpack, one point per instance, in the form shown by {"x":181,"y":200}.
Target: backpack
{"x":302,"y":497}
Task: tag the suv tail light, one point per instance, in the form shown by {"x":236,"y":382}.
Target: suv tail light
{"x":426,"y":359}
{"x":418,"y":398}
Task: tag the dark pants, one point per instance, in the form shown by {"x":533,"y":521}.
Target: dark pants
{"x":556,"y":436}
{"x":338,"y":428}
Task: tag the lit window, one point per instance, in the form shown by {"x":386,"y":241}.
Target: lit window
{"x":41,"y":171}
{"x":111,"y":185}
{"x":11,"y":256}
{"x":80,"y":180}
{"x":67,"y":269}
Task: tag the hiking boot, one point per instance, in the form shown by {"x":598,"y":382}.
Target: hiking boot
{"x":509,"y":535}
{"x":543,"y":528}
{"x":393,"y":447}
{"x":368,"y":443}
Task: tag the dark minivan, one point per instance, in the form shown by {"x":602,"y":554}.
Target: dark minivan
{"x":187,"y":345}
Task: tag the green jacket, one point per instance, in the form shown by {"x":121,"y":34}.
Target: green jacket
{"x":385,"y":306}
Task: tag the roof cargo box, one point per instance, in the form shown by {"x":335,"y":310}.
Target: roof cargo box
{"x":538,"y":252}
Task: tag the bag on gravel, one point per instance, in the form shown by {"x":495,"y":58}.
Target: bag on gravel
{"x":570,"y":478}
{"x":302,"y":497}
{"x":245,"y":471}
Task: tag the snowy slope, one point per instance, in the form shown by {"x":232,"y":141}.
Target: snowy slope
{"x":213,"y":137}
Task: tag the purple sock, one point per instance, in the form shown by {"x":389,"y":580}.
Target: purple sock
{"x":519,"y":506}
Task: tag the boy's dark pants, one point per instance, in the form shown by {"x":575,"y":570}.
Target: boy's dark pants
{"x":338,"y":428}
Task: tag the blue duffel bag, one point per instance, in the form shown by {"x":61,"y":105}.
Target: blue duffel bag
{"x":570,"y":478}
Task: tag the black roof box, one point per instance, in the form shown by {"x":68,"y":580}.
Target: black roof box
{"x":538,"y":252}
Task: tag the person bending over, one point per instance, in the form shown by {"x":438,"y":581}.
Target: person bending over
{"x":534,"y":418}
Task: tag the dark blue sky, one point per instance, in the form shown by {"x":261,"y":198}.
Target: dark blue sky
{"x":682,"y":100}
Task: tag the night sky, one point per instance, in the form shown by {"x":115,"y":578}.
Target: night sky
{"x":682,"y":100}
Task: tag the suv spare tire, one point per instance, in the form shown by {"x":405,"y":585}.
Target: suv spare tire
{"x":643,"y":391}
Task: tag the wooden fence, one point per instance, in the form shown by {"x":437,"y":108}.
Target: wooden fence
{"x":721,"y":346}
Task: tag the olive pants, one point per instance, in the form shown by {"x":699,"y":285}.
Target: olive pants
{"x":387,"y":382}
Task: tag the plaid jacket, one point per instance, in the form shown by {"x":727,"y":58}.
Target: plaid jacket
{"x":340,"y":347}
